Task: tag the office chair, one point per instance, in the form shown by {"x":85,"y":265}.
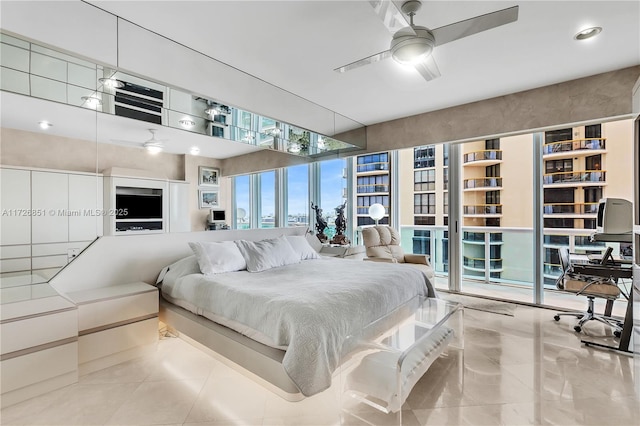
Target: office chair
{"x":591,"y":286}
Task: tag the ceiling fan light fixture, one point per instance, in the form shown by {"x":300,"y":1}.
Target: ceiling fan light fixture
{"x":588,"y":33}
{"x":187,"y":122}
{"x":92,"y":101}
{"x":153,"y":148}
{"x":409,"y":49}
{"x":44,"y":125}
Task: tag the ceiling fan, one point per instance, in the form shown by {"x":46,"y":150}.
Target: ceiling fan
{"x":152,"y":144}
{"x":413,"y":44}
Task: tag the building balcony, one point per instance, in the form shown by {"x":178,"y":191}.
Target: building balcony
{"x":483,"y":184}
{"x":571,"y":209}
{"x":373,"y":167}
{"x":484,"y":158}
{"x":575,"y":178}
{"x":479,"y":237}
{"x":478,"y":264}
{"x":372,"y":189}
{"x":552,"y":270}
{"x":574,"y":148}
{"x":483,"y":210}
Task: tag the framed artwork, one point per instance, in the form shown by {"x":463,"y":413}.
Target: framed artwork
{"x":208,"y":176}
{"x":208,"y":199}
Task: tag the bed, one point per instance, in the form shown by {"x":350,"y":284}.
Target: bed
{"x":286,"y":324}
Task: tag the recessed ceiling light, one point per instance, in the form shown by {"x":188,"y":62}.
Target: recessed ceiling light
{"x":588,"y":33}
{"x":111,"y":83}
{"x":185,"y":122}
{"x":92,"y":101}
{"x":194,"y":150}
{"x":44,"y":125}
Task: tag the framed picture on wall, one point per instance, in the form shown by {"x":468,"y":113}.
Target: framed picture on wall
{"x":208,"y":176}
{"x":208,"y":199}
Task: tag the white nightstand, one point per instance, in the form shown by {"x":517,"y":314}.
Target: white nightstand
{"x":39,"y":335}
{"x":115,"y":324}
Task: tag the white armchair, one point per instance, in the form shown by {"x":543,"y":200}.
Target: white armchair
{"x":383,"y":245}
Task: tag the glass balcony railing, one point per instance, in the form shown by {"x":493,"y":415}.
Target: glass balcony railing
{"x":487,"y":155}
{"x":584,"y":176}
{"x":372,"y":167}
{"x":585,"y":241}
{"x":571,"y":208}
{"x":552,"y":269}
{"x":513,"y":269}
{"x":479,"y":263}
{"x":574,"y":145}
{"x":483,"y":209}
{"x":494,"y":237}
{"x":489,"y":182}
{"x":366,"y":189}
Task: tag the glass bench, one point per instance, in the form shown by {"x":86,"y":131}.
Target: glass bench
{"x":386,"y":359}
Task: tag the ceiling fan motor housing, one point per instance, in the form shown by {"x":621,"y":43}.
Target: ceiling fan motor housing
{"x":408,"y":47}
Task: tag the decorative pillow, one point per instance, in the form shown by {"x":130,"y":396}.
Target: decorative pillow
{"x":217,"y":258}
{"x":302,"y":247}
{"x":267,"y":254}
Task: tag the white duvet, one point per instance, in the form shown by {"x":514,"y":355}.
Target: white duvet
{"x":307,"y":308}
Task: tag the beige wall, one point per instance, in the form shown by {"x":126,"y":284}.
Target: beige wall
{"x":618,"y":161}
{"x":405,"y":183}
{"x":517,"y":181}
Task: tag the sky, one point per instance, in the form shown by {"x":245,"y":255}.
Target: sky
{"x":331,"y":184}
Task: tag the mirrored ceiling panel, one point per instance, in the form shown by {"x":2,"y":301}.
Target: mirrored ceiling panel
{"x":39,"y":72}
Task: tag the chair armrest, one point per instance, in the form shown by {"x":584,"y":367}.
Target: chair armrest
{"x":422,"y":259}
{"x":380,"y":259}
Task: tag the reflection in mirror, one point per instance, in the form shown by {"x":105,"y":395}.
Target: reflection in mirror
{"x":50,"y":191}
{"x":76,"y":133}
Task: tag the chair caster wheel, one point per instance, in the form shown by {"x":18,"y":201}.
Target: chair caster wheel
{"x":557,"y":318}
{"x":617,"y":333}
{"x":577,"y":328}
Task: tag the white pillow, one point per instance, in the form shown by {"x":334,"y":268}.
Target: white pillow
{"x":217,"y":258}
{"x":302,"y":247}
{"x":267,"y":254}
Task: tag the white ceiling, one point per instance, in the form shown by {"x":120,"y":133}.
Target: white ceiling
{"x":296,"y":45}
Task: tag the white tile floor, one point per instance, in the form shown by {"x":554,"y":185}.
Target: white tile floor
{"x":520,"y":370}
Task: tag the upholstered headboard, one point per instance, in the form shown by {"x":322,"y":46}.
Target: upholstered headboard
{"x":114,"y":260}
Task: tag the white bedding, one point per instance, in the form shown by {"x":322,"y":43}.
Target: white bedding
{"x":308,"y":308}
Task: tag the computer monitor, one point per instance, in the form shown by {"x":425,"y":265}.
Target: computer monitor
{"x":615,"y":216}
{"x":217,"y":216}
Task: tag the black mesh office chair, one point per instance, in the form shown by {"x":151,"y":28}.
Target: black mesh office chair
{"x":591,"y":286}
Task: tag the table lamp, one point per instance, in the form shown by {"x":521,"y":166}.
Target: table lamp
{"x":376,"y":212}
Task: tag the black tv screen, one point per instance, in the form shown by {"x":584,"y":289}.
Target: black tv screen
{"x":138,"y":206}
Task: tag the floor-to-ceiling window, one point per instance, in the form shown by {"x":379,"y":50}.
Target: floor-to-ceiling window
{"x":267,"y":194}
{"x":298,"y":195}
{"x":333,"y":184}
{"x":242,"y":202}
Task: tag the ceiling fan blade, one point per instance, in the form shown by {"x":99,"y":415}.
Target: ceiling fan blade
{"x":428,"y":68}
{"x":475,"y":25}
{"x":390,"y":15}
{"x":366,"y":61}
{"x":125,"y":142}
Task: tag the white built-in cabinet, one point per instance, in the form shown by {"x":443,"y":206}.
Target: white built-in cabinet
{"x":175,"y":204}
{"x":48,"y":217}
{"x":179,"y":217}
